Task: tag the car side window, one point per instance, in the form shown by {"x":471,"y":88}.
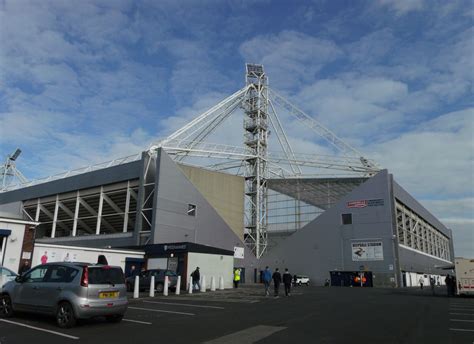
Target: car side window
{"x":61,"y":274}
{"x":36,"y":275}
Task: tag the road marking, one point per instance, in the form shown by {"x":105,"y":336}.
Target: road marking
{"x":461,"y":329}
{"x":464,"y":320}
{"x":137,"y":321}
{"x":159,"y":310}
{"x":182,"y":304}
{"x":39,"y":329}
{"x":472,"y":315}
{"x":247,"y":336}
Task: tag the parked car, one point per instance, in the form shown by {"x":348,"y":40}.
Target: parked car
{"x":6,"y":275}
{"x":145,"y":280}
{"x":69,"y":291}
{"x":300,"y":280}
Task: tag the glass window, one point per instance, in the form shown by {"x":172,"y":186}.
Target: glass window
{"x":36,"y":275}
{"x":61,"y":274}
{"x":346,"y":219}
{"x":105,"y":275}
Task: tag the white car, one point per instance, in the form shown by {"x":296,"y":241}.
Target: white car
{"x":300,"y":280}
{"x":6,"y":275}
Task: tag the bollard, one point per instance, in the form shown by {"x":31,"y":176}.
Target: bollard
{"x":213,"y":284}
{"x":190,"y":290}
{"x":152,"y":286}
{"x":203,"y":284}
{"x":136,"y":288}
{"x":165,"y":288}
{"x":221,"y":283}
{"x":178,"y":285}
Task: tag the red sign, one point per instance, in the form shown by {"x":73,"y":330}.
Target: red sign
{"x":357,"y":204}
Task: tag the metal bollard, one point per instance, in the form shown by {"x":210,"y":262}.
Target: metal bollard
{"x":152,"y":286}
{"x":221,"y":283}
{"x":165,"y":288}
{"x":178,"y":285}
{"x":190,"y":290}
{"x":136,"y":288}
{"x":213,"y":284}
{"x":203,"y":284}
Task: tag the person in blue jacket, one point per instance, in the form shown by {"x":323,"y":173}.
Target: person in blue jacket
{"x":267,"y":278}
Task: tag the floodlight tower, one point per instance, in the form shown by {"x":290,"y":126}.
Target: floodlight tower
{"x":255,"y":105}
{"x":9,"y":171}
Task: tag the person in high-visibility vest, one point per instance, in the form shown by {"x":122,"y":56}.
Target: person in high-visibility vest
{"x":236,"y":277}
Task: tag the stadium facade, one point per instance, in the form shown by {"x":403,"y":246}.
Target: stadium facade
{"x":320,"y":227}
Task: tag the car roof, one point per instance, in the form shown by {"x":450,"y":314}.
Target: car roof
{"x":78,"y":264}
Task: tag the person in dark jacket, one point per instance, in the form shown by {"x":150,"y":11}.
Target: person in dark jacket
{"x":24,"y":267}
{"x":196,"y":276}
{"x":276,"y":281}
{"x":287,"y":282}
{"x":102,"y":260}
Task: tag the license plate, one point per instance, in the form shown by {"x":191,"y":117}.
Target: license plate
{"x":108,"y":295}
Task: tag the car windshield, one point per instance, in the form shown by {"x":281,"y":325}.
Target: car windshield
{"x":105,"y":275}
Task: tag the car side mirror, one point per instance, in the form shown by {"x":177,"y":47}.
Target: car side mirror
{"x":19,"y":279}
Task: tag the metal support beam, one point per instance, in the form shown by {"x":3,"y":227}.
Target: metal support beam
{"x":76,"y":214}
{"x":99,"y":213}
{"x":127,"y":208}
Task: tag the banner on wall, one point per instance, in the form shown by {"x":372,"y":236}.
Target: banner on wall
{"x":238,"y":252}
{"x":367,"y":250}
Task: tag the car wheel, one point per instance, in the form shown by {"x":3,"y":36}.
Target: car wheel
{"x":6,"y":309}
{"x":65,"y":315}
{"x":116,"y":318}
{"x":159,"y":287}
{"x":307,"y":284}
{"x":299,"y":283}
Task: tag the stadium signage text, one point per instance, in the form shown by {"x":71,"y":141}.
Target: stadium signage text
{"x":366,"y":203}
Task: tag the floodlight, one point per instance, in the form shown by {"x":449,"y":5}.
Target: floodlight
{"x":15,"y":154}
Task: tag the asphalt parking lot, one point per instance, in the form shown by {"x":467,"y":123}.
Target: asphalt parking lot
{"x":245,"y":315}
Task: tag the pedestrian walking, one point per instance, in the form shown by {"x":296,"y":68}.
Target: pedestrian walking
{"x":432,"y":284}
{"x":276,"y":281}
{"x":421,"y":280}
{"x":24,"y":268}
{"x":196,"y":278}
{"x":287,"y":282}
{"x":267,"y":278}
{"x":236,"y":277}
{"x":448,"y":282}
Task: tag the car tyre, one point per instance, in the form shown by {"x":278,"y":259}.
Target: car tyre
{"x":65,"y":317}
{"x":159,"y":287}
{"x":307,"y":284}
{"x":6,"y":308}
{"x":116,"y":318}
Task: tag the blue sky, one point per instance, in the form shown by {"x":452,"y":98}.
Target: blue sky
{"x":85,"y":82}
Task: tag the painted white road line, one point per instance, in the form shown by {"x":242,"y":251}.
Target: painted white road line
{"x":247,"y":336}
{"x":461,"y":329}
{"x":40,"y":329}
{"x":472,"y":315}
{"x":137,"y":321}
{"x":463,"y":320}
{"x":160,"y":311}
{"x":182,"y":304}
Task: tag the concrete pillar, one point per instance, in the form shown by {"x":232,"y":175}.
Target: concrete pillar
{"x":165,"y":288}
{"x":190,"y":290}
{"x":178,"y":285}
{"x":203,"y":284}
{"x":136,"y":288}
{"x":221,"y":283}
{"x":213,"y":284}
{"x":152,"y":286}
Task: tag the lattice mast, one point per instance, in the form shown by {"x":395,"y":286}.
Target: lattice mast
{"x":255,"y":105}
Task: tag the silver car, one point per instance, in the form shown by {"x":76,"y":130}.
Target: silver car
{"x":69,"y":291}
{"x":6,"y":275}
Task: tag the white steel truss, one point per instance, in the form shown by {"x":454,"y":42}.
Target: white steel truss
{"x":9,"y":173}
{"x":253,"y":160}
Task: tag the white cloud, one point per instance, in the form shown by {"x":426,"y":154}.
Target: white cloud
{"x":290,"y":57}
{"x":403,"y":6}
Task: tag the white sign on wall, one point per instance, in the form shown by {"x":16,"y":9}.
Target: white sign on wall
{"x":238,"y":252}
{"x":367,"y":250}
